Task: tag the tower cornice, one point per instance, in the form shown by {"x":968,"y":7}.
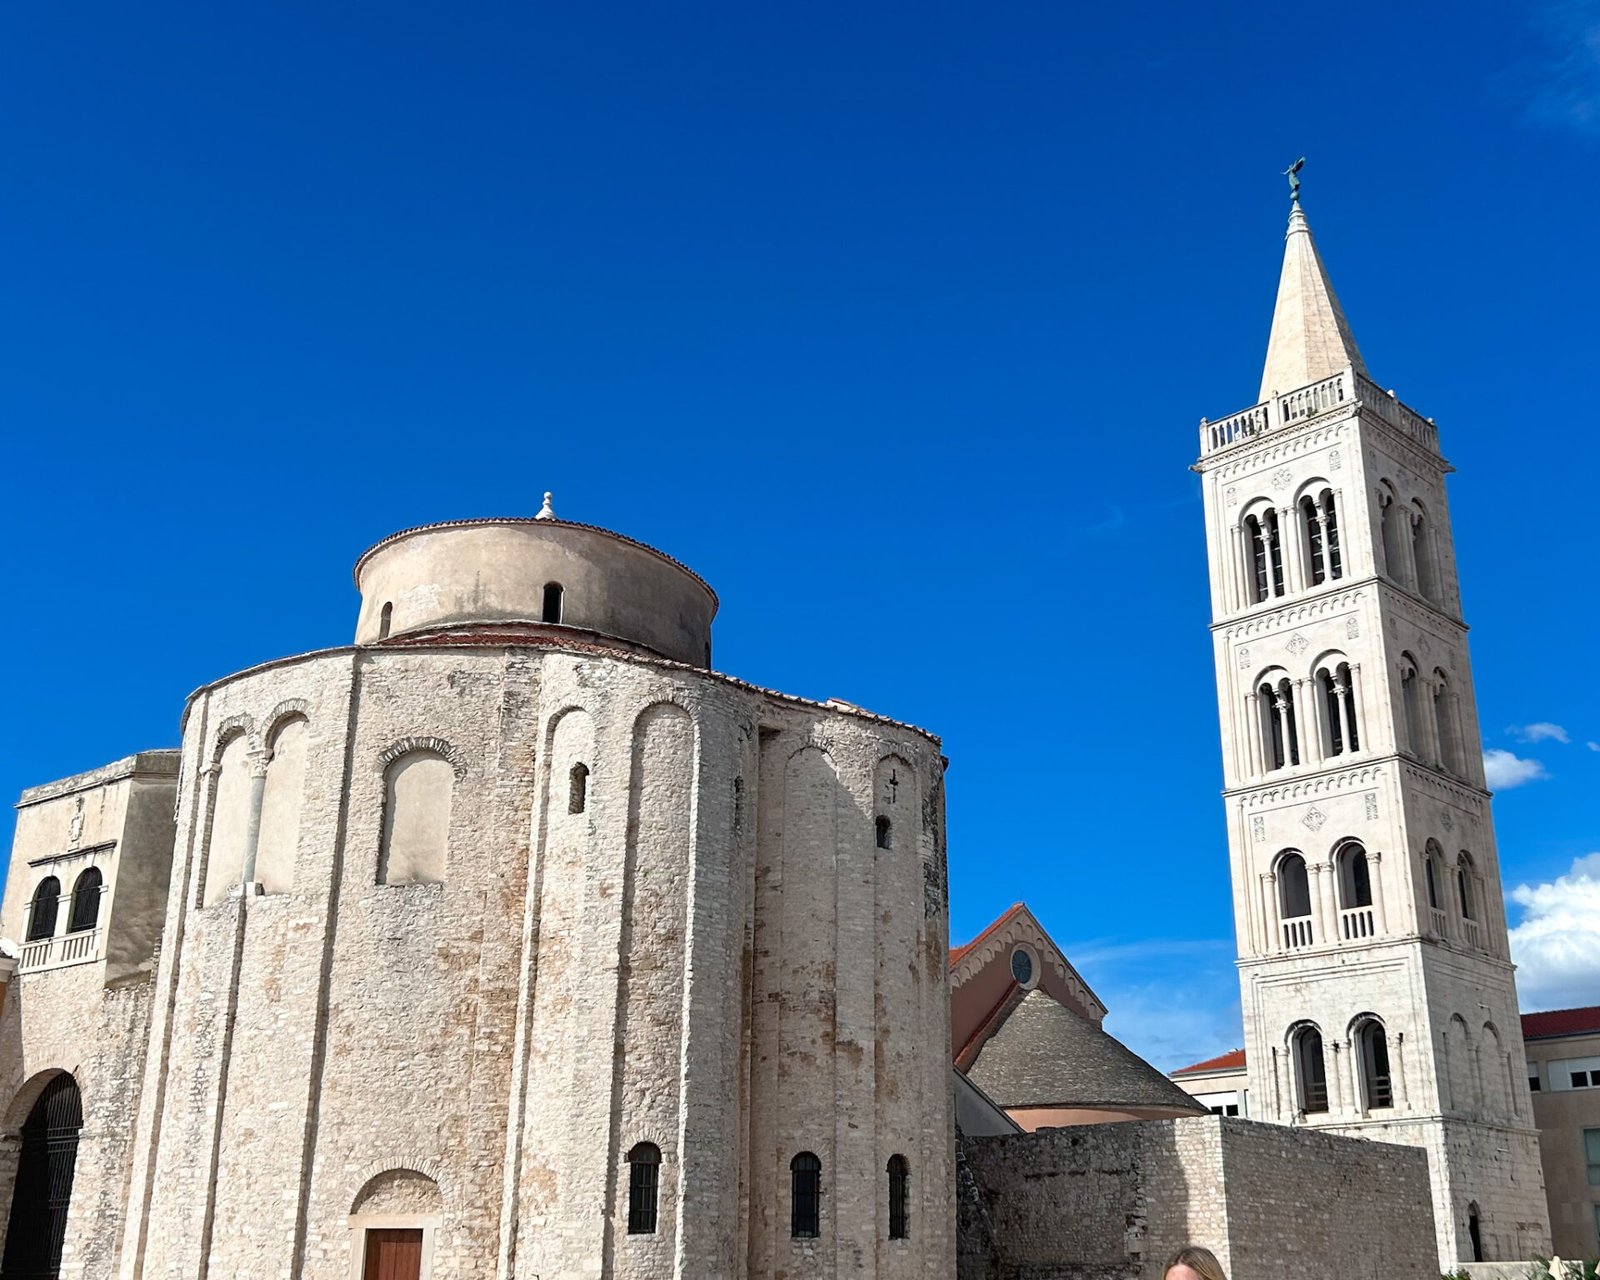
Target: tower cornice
{"x":1330,"y":598}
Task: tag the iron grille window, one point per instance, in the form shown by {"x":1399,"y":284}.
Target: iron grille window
{"x":899,"y":1198}
{"x":43,"y":1188}
{"x":644,"y":1188}
{"x":805,"y":1196}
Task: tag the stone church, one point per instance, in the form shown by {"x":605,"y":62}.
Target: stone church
{"x":513,"y":940}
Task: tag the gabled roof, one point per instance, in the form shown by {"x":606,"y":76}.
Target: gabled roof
{"x":1045,"y":1055}
{"x":1018,"y":925}
{"x":1233,"y":1060}
{"x":1561,"y":1022}
{"x":1310,"y":338}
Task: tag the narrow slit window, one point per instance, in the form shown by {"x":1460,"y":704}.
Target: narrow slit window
{"x":885,"y":835}
{"x":1311,"y":521}
{"x":1258,"y":559}
{"x":1330,"y":535}
{"x":552,"y":602}
{"x":805,"y":1196}
{"x":899,"y":1198}
{"x":578,"y":788}
{"x":1275,"y":548}
{"x":385,"y":620}
{"x":644,"y":1188}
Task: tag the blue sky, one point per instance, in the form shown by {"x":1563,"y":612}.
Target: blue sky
{"x":894,"y":321}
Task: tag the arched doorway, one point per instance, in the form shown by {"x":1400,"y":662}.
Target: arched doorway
{"x":38,"y":1222}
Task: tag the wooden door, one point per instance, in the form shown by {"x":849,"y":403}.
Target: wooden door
{"x":393,"y":1253}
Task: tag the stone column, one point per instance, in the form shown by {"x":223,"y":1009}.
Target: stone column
{"x":1305,"y":726}
{"x":252,"y":831}
{"x":1294,"y":574}
{"x":1363,"y":724}
{"x":1380,"y":914}
{"x":1269,"y":912}
{"x":1322,"y":903}
{"x":1252,"y":736}
{"x":1342,"y":711}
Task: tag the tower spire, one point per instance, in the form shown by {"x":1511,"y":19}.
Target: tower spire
{"x":1310,"y":339}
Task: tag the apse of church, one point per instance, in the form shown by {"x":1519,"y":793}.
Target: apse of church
{"x":1376,"y":979}
{"x":510,"y":940}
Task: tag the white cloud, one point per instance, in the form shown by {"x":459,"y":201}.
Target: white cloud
{"x":1557,"y":944}
{"x":1564,"y":85}
{"x":1594,"y":746}
{"x":1542,"y":731}
{"x":1502,"y":769}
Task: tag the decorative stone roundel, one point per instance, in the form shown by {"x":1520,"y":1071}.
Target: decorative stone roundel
{"x":1282,"y":478}
{"x":1298,"y":644}
{"x":1314,"y":818}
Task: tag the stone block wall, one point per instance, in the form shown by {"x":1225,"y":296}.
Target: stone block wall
{"x":1113,"y":1202}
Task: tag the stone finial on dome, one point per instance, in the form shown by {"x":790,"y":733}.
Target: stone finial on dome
{"x":546,"y":512}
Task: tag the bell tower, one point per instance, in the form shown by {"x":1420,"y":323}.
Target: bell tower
{"x":1378,"y":993}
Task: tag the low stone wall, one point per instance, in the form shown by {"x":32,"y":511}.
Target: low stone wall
{"x":1113,"y":1202}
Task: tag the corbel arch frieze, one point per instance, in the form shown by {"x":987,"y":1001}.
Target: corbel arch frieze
{"x":1315,"y":433}
{"x":1325,"y":784}
{"x":1295,"y":615}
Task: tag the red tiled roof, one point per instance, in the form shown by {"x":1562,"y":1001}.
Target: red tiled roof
{"x":1233,"y":1060}
{"x":1561,"y":1022}
{"x":957,"y":952}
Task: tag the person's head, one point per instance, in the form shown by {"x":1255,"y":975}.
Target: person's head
{"x":1193,"y":1263}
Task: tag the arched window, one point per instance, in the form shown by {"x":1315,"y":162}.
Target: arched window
{"x":282,"y":797}
{"x":1311,"y":537}
{"x":1409,"y":696}
{"x":552,"y":602}
{"x":899,"y":1198}
{"x":230,"y":819}
{"x":418,"y":789}
{"x":85,"y":901}
{"x":1294,"y":900}
{"x":1330,"y":534}
{"x":42,"y":1192}
{"x":1475,"y":1231}
{"x":1274,"y":539}
{"x":1355,"y":879}
{"x":46,"y":902}
{"x":578,"y":788}
{"x":1444,"y":717}
{"x":805,"y":1196}
{"x":644,"y":1188}
{"x":1422,"y":553}
{"x":385,"y":620}
{"x":1278,"y":726}
{"x":1255,"y":549}
{"x":1389,"y":509}
{"x":1337,"y":687}
{"x":1464,"y":884}
{"x":1311,"y":1076}
{"x":1372,"y":1049}
{"x":885,"y":834}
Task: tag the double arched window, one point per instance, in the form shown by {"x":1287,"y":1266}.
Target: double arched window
{"x":1427,"y":580}
{"x":1264,"y":555}
{"x":1466,"y":875}
{"x":1310,"y":1071}
{"x":1336,"y":685}
{"x":805,"y":1196}
{"x":1446,"y":722}
{"x":46,"y":903}
{"x":1280,"y":734}
{"x":1371,"y":1043}
{"x":1319,"y":528}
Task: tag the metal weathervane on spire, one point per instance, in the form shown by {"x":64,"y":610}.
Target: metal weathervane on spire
{"x":1293,"y":174}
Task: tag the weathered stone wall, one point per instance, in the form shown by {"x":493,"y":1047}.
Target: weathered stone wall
{"x":1113,"y":1202}
{"x":711,"y":955}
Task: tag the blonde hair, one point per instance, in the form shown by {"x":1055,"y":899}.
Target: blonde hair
{"x":1201,"y":1261}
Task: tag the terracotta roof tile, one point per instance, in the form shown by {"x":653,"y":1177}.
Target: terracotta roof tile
{"x":1561,"y":1022}
{"x":1233,"y":1060}
{"x":956,"y":953}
